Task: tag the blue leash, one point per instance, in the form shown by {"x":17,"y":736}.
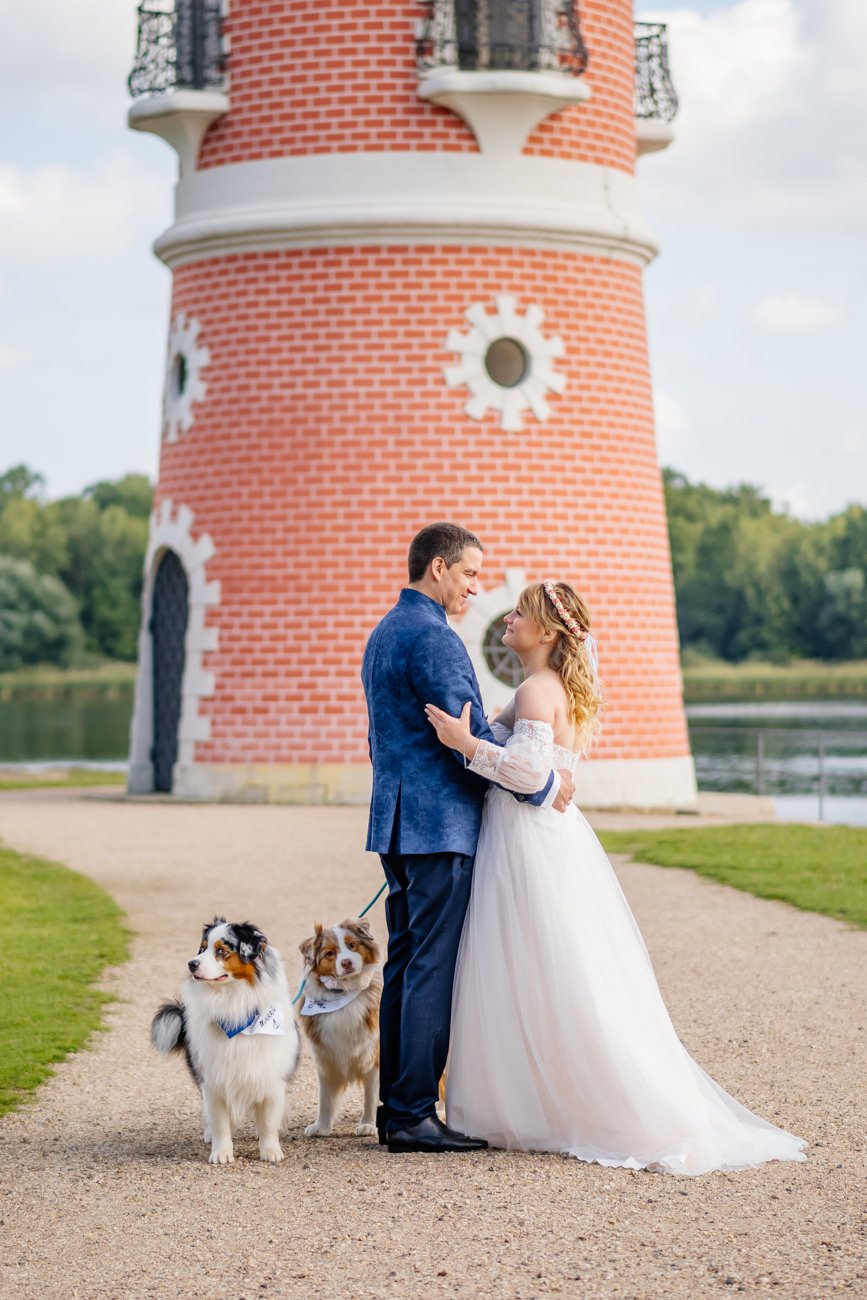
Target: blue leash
{"x":383,"y":887}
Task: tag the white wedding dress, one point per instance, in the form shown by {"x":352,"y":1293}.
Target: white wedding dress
{"x":560,"y":1039}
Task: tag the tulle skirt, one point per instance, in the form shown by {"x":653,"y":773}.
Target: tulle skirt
{"x":560,"y":1039}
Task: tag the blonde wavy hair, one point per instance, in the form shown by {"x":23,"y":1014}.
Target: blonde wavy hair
{"x":570,"y":658}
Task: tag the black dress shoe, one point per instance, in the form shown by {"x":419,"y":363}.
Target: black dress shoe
{"x":431,"y":1135}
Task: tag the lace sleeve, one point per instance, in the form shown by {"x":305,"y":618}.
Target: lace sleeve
{"x":523,"y":764}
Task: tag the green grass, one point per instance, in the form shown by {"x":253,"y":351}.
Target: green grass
{"x":71,"y":779}
{"x":712,"y":681}
{"x":814,"y":868}
{"x":60,"y":932}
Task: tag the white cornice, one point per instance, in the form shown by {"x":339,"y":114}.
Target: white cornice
{"x":406,"y":198}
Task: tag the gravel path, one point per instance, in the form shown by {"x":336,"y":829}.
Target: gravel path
{"x":106,"y":1187}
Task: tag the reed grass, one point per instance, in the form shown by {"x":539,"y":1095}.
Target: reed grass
{"x":717,"y":682}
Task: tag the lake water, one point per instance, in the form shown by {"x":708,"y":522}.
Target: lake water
{"x":810,"y":757}
{"x":80,"y":725}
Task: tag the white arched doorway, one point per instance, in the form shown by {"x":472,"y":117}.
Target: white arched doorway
{"x":171,"y":535}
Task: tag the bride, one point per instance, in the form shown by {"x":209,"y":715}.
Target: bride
{"x":560,"y":1039}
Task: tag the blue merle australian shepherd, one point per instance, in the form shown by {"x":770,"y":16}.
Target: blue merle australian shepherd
{"x":234,"y":1023}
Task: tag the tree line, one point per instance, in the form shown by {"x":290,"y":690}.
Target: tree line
{"x":70,"y":570}
{"x":752,"y":582}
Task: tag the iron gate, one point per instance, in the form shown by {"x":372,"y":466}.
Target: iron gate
{"x":168,"y":627}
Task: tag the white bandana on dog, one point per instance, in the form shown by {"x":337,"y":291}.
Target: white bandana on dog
{"x":316,"y":1006}
{"x":269,"y":1022}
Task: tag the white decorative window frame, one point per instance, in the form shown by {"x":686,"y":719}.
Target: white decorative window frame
{"x":482,"y":611}
{"x":172,"y":531}
{"x":178,"y":415}
{"x":540,"y":379}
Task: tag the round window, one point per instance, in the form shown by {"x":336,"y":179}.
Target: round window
{"x":503,"y":662}
{"x":507,"y":362}
{"x":179,"y":375}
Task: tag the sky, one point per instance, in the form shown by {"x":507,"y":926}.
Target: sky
{"x":757,"y":304}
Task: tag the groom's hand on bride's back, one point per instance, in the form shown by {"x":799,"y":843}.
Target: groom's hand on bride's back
{"x":566,"y":793}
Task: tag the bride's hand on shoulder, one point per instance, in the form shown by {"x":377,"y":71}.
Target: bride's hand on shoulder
{"x":453,"y":732}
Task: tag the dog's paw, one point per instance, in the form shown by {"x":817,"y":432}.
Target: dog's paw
{"x":317,"y":1130}
{"x":272,"y":1152}
{"x":222,"y":1156}
{"x":365,"y":1130}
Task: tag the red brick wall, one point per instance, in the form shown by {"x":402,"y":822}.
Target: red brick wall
{"x":328,"y":437}
{"x":338,"y":76}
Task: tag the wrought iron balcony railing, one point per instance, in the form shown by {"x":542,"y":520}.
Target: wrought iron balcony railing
{"x":498,"y":35}
{"x":655,"y":96}
{"x":537,"y":35}
{"x":179,"y":47}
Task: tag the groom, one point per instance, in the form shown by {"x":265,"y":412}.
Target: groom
{"x":425,"y":815}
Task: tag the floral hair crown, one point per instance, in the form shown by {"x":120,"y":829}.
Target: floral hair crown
{"x":573,"y":625}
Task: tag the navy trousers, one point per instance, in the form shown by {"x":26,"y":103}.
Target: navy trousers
{"x":427,"y":901}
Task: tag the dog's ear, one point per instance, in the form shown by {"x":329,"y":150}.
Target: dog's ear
{"x":308,"y":947}
{"x":359,"y":927}
{"x":251,"y":942}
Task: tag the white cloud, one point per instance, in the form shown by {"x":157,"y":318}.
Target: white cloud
{"x":673,"y":426}
{"x":795,"y":313}
{"x":56,"y":211}
{"x":773,"y":98}
{"x":739,"y":61}
{"x":14,"y":358}
{"x":76,"y":54}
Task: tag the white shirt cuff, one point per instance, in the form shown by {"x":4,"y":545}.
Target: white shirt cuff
{"x":553,"y":792}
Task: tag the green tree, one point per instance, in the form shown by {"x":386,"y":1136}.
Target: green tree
{"x":133,"y":493}
{"x":752,"y":581}
{"x":103,"y":570}
{"x":20,"y":481}
{"x":38,"y":618}
{"x":29,"y":531}
{"x":94,"y":543}
{"x":841,"y":625}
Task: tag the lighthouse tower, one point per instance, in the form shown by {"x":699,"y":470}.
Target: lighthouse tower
{"x":407,"y":262}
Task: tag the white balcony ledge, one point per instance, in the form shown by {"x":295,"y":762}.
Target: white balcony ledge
{"x":501,"y":108}
{"x":651,"y":135}
{"x":181,"y":117}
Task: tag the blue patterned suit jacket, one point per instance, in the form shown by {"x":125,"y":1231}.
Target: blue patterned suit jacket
{"x":424,"y":799}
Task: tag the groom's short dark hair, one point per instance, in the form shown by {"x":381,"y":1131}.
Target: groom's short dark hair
{"x":446,"y":540}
